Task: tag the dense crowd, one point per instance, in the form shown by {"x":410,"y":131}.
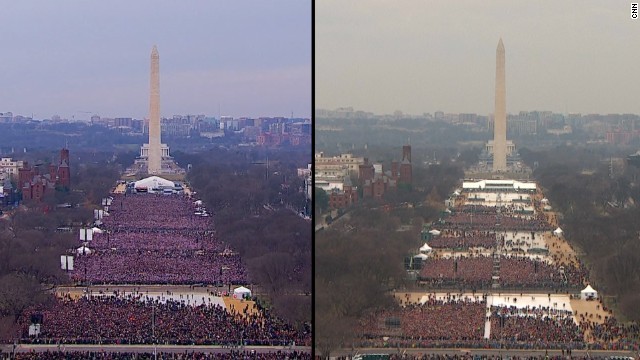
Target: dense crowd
{"x":513,"y":272}
{"x":465,"y":271}
{"x":436,"y":320}
{"x":154,"y":211}
{"x":157,"y":239}
{"x":112,"y":320}
{"x":534,"y":329}
{"x":492,"y":222}
{"x":104,"y":355}
{"x":472,"y":356}
{"x":159,"y":267}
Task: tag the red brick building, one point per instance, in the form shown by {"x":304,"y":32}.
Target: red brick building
{"x":376,"y":184}
{"x":345,"y":198}
{"x":36,"y":181}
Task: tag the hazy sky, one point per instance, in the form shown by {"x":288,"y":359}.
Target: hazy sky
{"x":424,"y":56}
{"x":251,"y":58}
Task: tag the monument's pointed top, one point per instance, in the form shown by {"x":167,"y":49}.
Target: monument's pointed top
{"x":500,"y":44}
{"x":154,"y":50}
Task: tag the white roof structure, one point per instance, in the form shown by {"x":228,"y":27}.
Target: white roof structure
{"x":588,"y":292}
{"x":434,"y":232}
{"x":97,"y":230}
{"x":421,"y":256}
{"x":425,"y":248}
{"x":558,"y":231}
{"x":83,"y":250}
{"x":497,"y":185}
{"x":153,"y":182}
{"x":241,"y":292}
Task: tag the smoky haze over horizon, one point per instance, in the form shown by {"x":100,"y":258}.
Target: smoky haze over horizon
{"x":417,"y":57}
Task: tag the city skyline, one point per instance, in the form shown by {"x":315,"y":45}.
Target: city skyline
{"x":227,"y":59}
{"x":417,"y":57}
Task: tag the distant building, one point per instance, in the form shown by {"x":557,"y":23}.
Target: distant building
{"x":376,"y":183}
{"x":36,"y":181}
{"x":406,"y":169}
{"x":346,"y":162}
{"x":340,"y":199}
{"x":9,"y":168}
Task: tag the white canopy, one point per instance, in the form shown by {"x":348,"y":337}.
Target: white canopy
{"x":544,"y":201}
{"x":97,"y":230}
{"x":421,"y":256}
{"x":434,"y":232}
{"x":557,"y":232}
{"x":425,"y":248}
{"x":153,"y":182}
{"x":83,"y":250}
{"x":588,"y":292}
{"x":241,"y":292}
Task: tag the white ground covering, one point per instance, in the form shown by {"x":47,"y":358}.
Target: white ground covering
{"x":553,"y":301}
{"x":189,"y":298}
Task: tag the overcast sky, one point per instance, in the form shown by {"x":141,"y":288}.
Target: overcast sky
{"x":424,"y":56}
{"x":76,"y":58}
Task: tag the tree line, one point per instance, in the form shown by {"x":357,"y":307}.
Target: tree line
{"x":599,"y":212}
{"x":254,"y":208}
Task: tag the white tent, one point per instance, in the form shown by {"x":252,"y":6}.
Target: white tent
{"x":557,"y":232}
{"x":241,"y":292}
{"x":544,"y":201}
{"x":82,"y":250}
{"x":425,"y":248}
{"x":153,"y":182}
{"x":421,"y":256}
{"x":588,"y":293}
{"x":97,"y":230}
{"x":434,"y":232}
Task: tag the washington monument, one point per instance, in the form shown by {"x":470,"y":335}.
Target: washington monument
{"x":155,"y":152}
{"x":500,"y":114}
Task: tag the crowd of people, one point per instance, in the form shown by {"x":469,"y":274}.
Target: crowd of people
{"x":513,"y":272}
{"x":464,"y":271}
{"x":527,"y":272}
{"x":154,"y":211}
{"x":486,"y":240}
{"x":190,"y":355}
{"x":609,"y":331}
{"x":118,"y":320}
{"x":493,"y":222}
{"x":436,"y":320}
{"x":159,"y":267}
{"x":535,"y":327}
{"x":157,"y":239}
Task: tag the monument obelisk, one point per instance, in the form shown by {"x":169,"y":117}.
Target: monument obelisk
{"x":155,"y":152}
{"x":500,"y":114}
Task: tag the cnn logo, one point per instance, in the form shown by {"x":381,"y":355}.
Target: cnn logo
{"x":634,"y":11}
